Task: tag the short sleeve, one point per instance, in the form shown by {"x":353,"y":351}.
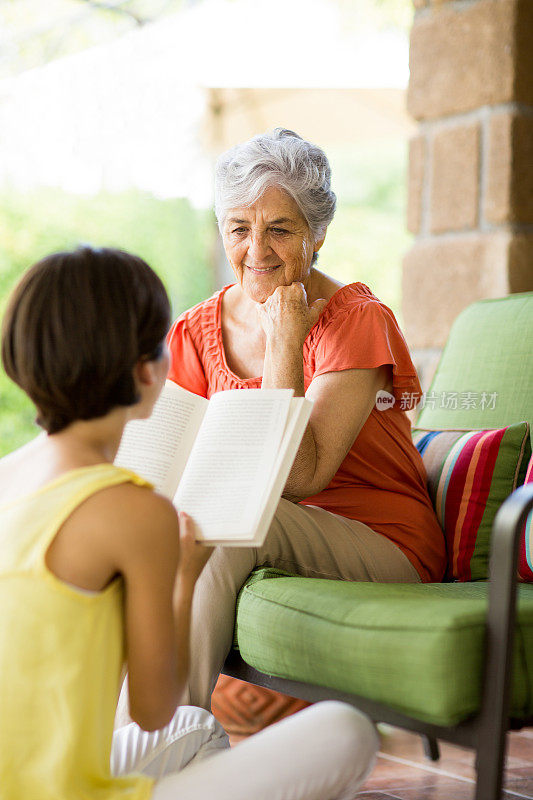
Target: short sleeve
{"x":365,"y":335}
{"x":185,"y":366}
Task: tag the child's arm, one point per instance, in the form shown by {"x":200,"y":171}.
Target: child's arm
{"x":192,"y":559}
{"x":130,"y":530}
{"x":160,"y":566}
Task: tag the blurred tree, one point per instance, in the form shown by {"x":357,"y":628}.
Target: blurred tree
{"x":33,"y":32}
{"x":173,"y":237}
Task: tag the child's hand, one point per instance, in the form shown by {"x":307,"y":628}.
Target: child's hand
{"x":193,"y":556}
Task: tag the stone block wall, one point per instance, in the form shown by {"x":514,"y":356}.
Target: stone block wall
{"x":470,"y":179}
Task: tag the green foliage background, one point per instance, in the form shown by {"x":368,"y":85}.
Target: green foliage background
{"x":34,"y":32}
{"x":365,"y":242}
{"x":367,"y":239}
{"x":175,"y":239}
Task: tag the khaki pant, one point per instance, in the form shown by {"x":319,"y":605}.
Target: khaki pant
{"x":303,"y":540}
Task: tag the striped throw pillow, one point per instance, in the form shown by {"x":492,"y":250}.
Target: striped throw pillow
{"x":470,"y":474}
{"x":525,"y":563}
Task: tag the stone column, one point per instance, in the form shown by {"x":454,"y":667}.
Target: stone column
{"x":470,"y":200}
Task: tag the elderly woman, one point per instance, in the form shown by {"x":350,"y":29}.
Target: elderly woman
{"x":355,"y":505}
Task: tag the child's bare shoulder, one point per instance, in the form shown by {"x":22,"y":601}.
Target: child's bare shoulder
{"x":130,"y":499}
{"x":127,"y":517}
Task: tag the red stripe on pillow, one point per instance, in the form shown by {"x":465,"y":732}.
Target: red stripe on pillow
{"x":478,"y":496}
{"x":455,"y":496}
{"x":470,"y":490}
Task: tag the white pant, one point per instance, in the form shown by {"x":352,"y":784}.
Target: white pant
{"x":323,"y":753}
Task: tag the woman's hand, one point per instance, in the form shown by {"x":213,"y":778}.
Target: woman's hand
{"x":286,"y":315}
{"x":193,"y":556}
{"x":286,"y":319}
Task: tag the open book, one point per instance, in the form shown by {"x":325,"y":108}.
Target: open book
{"x":224,"y":461}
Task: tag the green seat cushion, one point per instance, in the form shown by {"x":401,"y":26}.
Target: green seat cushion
{"x":417,"y":648}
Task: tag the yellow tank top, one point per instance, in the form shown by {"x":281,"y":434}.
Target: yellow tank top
{"x":61,"y":656}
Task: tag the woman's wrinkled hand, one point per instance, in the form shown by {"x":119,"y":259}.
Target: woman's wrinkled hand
{"x":287,"y":315}
{"x":193,"y":556}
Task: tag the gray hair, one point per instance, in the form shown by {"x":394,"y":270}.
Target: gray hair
{"x":278,"y":158}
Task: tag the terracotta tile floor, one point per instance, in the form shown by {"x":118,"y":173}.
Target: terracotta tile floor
{"x":402,"y":771}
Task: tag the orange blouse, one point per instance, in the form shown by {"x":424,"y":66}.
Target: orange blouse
{"x":382,"y":481}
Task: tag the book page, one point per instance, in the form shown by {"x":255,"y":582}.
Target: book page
{"x":294,"y":421}
{"x":231,"y":461}
{"x":299,"y":415}
{"x":157,"y":448}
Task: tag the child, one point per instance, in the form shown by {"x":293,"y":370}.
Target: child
{"x":97,"y":569}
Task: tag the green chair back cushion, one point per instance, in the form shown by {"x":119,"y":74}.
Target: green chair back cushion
{"x":485,"y":375}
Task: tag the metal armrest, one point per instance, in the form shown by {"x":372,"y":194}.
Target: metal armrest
{"x":502,"y":587}
{"x":506,"y":534}
{"x":500,"y":632}
{"x":503,"y":578}
{"x":503,"y":562}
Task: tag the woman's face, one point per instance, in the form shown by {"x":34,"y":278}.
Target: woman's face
{"x":268,"y":244}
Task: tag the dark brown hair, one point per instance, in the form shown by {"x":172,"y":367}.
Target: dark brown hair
{"x":75,"y":326}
